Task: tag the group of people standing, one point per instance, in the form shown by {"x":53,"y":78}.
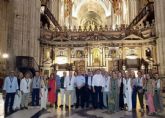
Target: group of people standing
{"x":114,"y":90}
{"x":120,"y":90}
{"x":17,"y":90}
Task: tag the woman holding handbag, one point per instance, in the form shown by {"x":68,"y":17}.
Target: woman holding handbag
{"x":150,"y":94}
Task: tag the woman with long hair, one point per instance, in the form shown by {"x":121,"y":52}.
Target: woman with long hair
{"x":51,"y":90}
{"x":150,"y":93}
{"x":114,"y":94}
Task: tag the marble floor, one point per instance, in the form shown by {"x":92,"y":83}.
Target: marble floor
{"x":78,"y":113}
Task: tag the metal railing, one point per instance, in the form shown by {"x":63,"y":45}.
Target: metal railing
{"x":52,"y":18}
{"x":149,"y":8}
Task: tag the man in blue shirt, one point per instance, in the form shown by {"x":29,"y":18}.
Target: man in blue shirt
{"x":36,"y":85}
{"x":10,"y":88}
{"x":80,"y":89}
{"x":58,"y":86}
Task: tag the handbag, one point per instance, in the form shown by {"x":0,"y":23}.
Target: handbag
{"x":49,"y":89}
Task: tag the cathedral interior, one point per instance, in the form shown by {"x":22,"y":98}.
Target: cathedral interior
{"x":82,"y":35}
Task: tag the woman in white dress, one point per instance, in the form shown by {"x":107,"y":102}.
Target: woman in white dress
{"x":44,"y":92}
{"x":128,"y":90}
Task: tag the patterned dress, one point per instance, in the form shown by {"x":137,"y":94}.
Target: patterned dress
{"x":157,"y":96}
{"x":114,"y":96}
{"x":149,"y":93}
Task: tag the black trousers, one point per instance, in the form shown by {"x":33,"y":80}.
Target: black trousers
{"x":87,"y":96}
{"x":140,"y":92}
{"x":9,"y":101}
{"x":121,"y":97}
{"x":92,"y":98}
{"x":80,"y":95}
{"x":35,"y":97}
{"x":98,"y":97}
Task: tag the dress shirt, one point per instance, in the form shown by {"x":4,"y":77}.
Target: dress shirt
{"x":25,"y":85}
{"x":134,"y":82}
{"x":79,"y":81}
{"x":62,"y":82}
{"x":158,"y":84}
{"x":139,"y":81}
{"x":107,"y":82}
{"x":10,"y":84}
{"x":69,"y":83}
{"x":127,"y":84}
{"x":58,"y":82}
{"x":98,"y":80}
{"x":36,"y":82}
{"x":90,"y":80}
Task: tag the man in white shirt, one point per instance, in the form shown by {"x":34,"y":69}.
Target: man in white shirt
{"x":10,"y":87}
{"x":25,"y":88}
{"x":80,"y":89}
{"x":98,"y":85}
{"x":69,"y":89}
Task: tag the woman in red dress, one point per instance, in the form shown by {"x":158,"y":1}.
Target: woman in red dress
{"x":52,"y":90}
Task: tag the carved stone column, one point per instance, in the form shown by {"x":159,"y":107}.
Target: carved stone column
{"x":24,"y":29}
{"x":160,"y":29}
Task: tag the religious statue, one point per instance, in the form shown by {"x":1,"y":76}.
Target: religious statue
{"x":116,"y":28}
{"x":106,"y":28}
{"x":78,"y":54}
{"x":69,"y":29}
{"x":74,"y":29}
{"x":85,"y":28}
{"x":110,"y":28}
{"x":96,"y":55}
{"x":101,"y":28}
{"x":80,"y":29}
{"x":65,"y":28}
{"x":117,"y":6}
{"x":72,"y":52}
{"x":90,"y":28}
{"x":95,"y":28}
{"x":68,"y":7}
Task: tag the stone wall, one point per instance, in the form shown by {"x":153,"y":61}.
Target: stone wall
{"x":160,"y":29}
{"x":3,"y":26}
{"x":6,"y":14}
{"x":21,"y":28}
